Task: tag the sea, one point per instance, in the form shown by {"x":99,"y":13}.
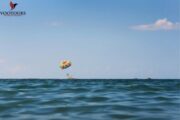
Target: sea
{"x":89,"y":99}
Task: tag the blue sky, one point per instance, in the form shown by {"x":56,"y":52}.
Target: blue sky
{"x":102,"y":38}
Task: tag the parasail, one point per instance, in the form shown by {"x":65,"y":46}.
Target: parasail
{"x":65,"y":64}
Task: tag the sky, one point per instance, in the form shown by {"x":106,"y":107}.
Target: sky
{"x":102,"y":39}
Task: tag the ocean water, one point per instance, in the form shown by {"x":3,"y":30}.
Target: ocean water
{"x":50,"y":99}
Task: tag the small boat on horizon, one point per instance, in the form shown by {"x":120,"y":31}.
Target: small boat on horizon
{"x":69,"y":77}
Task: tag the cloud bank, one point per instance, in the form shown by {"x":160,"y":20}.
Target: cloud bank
{"x":16,"y":69}
{"x":7,"y":67}
{"x":160,"y":24}
{"x":2,"y":61}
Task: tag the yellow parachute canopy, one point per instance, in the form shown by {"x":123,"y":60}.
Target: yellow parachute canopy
{"x":65,"y":64}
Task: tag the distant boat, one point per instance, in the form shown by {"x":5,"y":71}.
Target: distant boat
{"x":149,"y":78}
{"x":69,"y":76}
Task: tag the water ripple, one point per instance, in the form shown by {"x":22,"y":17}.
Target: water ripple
{"x":89,"y":99}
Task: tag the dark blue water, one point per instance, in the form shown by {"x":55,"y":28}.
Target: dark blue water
{"x":89,"y":99}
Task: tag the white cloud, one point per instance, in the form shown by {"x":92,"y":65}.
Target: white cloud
{"x":54,"y":23}
{"x":161,"y":24}
{"x":9,"y":68}
{"x":16,"y":69}
{"x":2,"y":61}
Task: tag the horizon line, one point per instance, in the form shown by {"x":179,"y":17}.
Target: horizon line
{"x":91,"y":78}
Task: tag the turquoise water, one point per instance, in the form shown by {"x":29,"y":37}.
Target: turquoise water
{"x":34,"y":99}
